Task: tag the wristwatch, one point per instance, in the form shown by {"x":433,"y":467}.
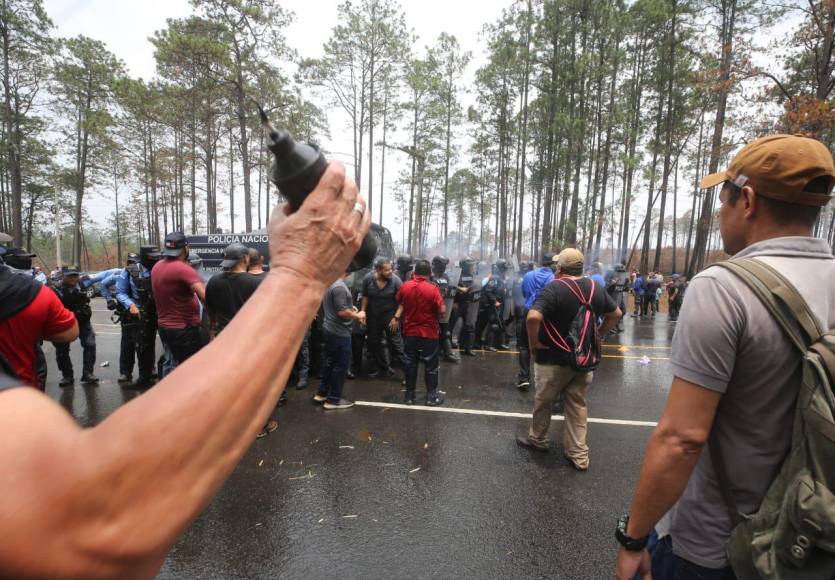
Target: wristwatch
{"x":631,"y":544}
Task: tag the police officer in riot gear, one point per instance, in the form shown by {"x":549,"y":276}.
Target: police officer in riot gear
{"x":617,"y":285}
{"x":441,"y":279}
{"x":405,"y":264}
{"x":464,"y":300}
{"x":490,"y":308}
{"x":75,"y":299}
{"x":139,"y":318}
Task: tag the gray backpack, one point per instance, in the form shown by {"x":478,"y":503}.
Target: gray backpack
{"x":792,"y":534}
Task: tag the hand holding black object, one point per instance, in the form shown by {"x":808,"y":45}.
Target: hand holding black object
{"x":297,"y":170}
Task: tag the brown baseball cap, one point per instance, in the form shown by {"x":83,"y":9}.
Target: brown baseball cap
{"x":780,"y":167}
{"x":570,"y":259}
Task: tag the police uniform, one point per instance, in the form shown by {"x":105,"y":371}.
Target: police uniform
{"x":441,"y":280}
{"x":75,"y":299}
{"x":617,"y":285}
{"x":489,"y":316}
{"x":462,"y":304}
{"x":133,"y":288}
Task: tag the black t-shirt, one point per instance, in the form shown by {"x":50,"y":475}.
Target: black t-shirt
{"x":559,"y":306}
{"x":381,"y":301}
{"x":226,"y":294}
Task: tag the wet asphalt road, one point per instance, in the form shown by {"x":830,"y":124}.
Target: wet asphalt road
{"x":382,"y":492}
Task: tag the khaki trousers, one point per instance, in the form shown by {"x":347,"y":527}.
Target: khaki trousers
{"x":551,"y":380}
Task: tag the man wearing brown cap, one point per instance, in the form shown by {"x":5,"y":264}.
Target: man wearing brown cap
{"x":549,"y":321}
{"x":736,"y":375}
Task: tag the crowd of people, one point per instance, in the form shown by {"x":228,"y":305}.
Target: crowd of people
{"x":736,"y":479}
{"x":370,"y":325}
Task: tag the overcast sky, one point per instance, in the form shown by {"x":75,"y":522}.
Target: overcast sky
{"x":125,"y":25}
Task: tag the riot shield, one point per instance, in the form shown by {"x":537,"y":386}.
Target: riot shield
{"x":507,"y":305}
{"x":474,"y":300}
{"x":454,"y":276}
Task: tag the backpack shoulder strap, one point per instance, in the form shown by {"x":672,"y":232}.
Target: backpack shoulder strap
{"x":780,"y":298}
{"x":789,"y":309}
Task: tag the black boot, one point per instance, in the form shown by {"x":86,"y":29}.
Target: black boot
{"x":449,"y":356}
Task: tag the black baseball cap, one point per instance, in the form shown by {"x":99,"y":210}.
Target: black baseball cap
{"x":20,"y":253}
{"x":233,"y":254}
{"x":175,"y":243}
{"x":548,"y":258}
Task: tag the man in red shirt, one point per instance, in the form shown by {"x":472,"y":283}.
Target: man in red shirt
{"x":176,"y":288}
{"x":421,"y":305}
{"x":29,"y":312}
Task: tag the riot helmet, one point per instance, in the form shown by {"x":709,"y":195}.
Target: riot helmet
{"x":439,"y":264}
{"x":620,"y":268}
{"x":500,"y":267}
{"x":525,"y":266}
{"x":149,"y":255}
{"x":467,"y":265}
{"x":133,"y":258}
{"x":404,"y":263}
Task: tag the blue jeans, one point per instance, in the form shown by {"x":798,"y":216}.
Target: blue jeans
{"x":87,"y":338}
{"x":419,"y":349}
{"x":337,"y":359}
{"x":301,"y":367}
{"x":668,"y":566}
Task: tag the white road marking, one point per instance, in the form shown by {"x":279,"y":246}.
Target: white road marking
{"x":457,"y":411}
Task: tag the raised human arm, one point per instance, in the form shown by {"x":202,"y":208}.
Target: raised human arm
{"x":79,"y":503}
{"x":672,"y":452}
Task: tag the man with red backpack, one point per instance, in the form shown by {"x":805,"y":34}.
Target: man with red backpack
{"x":565,"y":341}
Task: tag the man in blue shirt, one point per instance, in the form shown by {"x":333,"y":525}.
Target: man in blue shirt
{"x":638,"y":291}
{"x":139,"y":319}
{"x":88,"y":281}
{"x":108,"y":287}
{"x":597,"y":274}
{"x":532,"y":285}
{"x":39,"y":276}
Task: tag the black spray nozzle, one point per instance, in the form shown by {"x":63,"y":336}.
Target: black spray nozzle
{"x":296,"y":170}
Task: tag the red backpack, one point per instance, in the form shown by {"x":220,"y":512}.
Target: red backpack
{"x":583,"y":340}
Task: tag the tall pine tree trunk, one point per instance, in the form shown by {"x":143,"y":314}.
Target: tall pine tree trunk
{"x":703,"y":227}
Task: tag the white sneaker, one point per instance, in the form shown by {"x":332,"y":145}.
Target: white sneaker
{"x":341,"y":404}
